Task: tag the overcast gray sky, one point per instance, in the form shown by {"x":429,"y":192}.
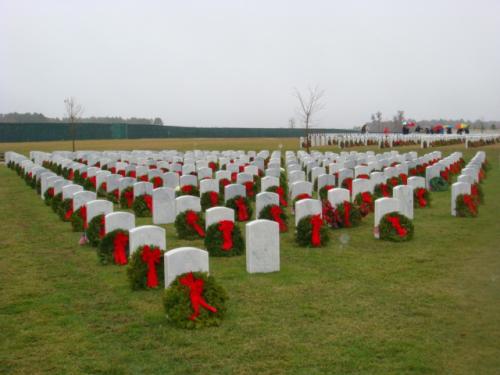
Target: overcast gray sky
{"x":235,"y":63}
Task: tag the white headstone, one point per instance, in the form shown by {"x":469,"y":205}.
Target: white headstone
{"x":98,"y":207}
{"x":383,"y":206}
{"x":163,"y":205}
{"x":187,"y":203}
{"x":265,"y":199}
{"x":306,"y":207}
{"x":147,"y":235}
{"x":119,"y":220}
{"x":457,"y":189}
{"x":216,"y":214}
{"x":404,"y":194}
{"x":182,"y":260}
{"x":262,"y":246}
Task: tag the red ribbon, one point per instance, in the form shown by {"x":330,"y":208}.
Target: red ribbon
{"x":249,"y":188}
{"x":364,"y":176}
{"x":50,"y":192}
{"x":444,"y":174}
{"x":120,"y":244}
{"x":71,"y":175}
{"x":474,"y":191}
{"x":347,"y":214}
{"x":226,"y":228}
{"x":404,"y":178}
{"x":384,"y":189}
{"x":83,"y":215}
{"x":101,"y":229}
{"x":214,"y":198}
{"x":104,"y":186}
{"x":148,"y":199}
{"x":302,"y":196}
{"x":68,"y":214}
{"x":151,"y":257}
{"x":234,"y":176}
{"x":394,"y":221}
{"x":116,"y":193}
{"x":281,"y":192}
{"x":212,"y":166}
{"x":420,"y":197}
{"x":394,"y":181}
{"x":144,"y":178}
{"x":84,"y":175}
{"x":192,"y":221}
{"x":366,"y":197}
{"x":242,"y":209}
{"x":187,"y":189}
{"x":129,"y":197}
{"x":276,"y":215}
{"x":348,"y":183}
{"x":195,"y":294}
{"x":316,"y":224}
{"x":93,"y":181}
{"x":469,"y":202}
{"x":121,"y":172}
{"x":157,"y":182}
{"x":112,"y":170}
{"x":224,"y":182}
{"x":132,"y":174}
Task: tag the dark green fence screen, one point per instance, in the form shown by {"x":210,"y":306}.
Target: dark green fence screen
{"x":26,"y":132}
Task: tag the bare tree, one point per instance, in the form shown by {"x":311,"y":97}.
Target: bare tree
{"x":73,"y":113}
{"x":291,"y":123}
{"x":398,"y":120}
{"x":309,"y":104}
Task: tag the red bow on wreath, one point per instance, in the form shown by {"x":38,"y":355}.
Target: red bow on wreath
{"x":348,"y":183}
{"x":187,"y":189}
{"x":151,"y":257}
{"x":224,"y":182}
{"x":404,"y":178}
{"x":226,"y":228}
{"x":93,"y":181}
{"x":212,"y":166}
{"x":71,"y":175}
{"x":157,"y":182}
{"x":120,"y":244}
{"x":148,"y":199}
{"x":116,"y":193}
{"x":214,"y":198}
{"x":112,"y":170}
{"x":68,"y":214}
{"x":366,"y":197}
{"x":474,"y":191}
{"x":242,"y":209}
{"x":83,"y":215}
{"x":394,"y":221}
{"x":420,"y":197}
{"x":102,"y":231}
{"x":302,"y":196}
{"x":347,"y":214}
{"x":196,"y":295}
{"x":192,"y":221}
{"x":281,"y":192}
{"x":129,"y":197}
{"x":50,"y":192}
{"x":234,"y":176}
{"x":249,"y":188}
{"x":469,"y":202}
{"x":384,"y":189}
{"x":316,"y":223}
{"x":276,"y":215}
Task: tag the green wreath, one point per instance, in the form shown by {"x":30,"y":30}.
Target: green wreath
{"x":214,"y":240}
{"x":265,"y":213}
{"x":206,"y":202}
{"x":378,"y":193}
{"x":77,"y":221}
{"x":137,"y":270}
{"x":112,"y":197}
{"x":480,"y":194}
{"x":194,"y":191}
{"x":56,"y":202}
{"x":274,"y":189}
{"x":463,"y":209}
{"x":177,"y":303}
{"x":77,"y":177}
{"x":101,"y":192}
{"x":426,"y":196}
{"x":123,"y":200}
{"x":65,"y":173}
{"x":185,"y":231}
{"x":323,"y":192}
{"x":140,"y":207}
{"x":304,"y":233}
{"x":106,"y":248}
{"x":47,"y":198}
{"x":438,"y":184}
{"x":355,"y":216}
{"x":231,"y":203}
{"x":364,"y":207}
{"x":94,"y":230}
{"x":64,"y":207}
{"x":389,"y":233}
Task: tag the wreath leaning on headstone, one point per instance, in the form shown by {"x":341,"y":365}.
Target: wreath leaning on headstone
{"x":275,"y":213}
{"x":95,"y":230}
{"x":56,"y":202}
{"x":438,"y":184}
{"x":78,"y":219}
{"x":114,"y":248}
{"x":323,"y":192}
{"x":282,"y":194}
{"x":65,"y":209}
{"x":382,"y":190}
{"x":209,"y":199}
{"x":145,"y":269}
{"x":311,"y":232}
{"x":189,"y":225}
{"x":465,"y":206}
{"x":421,"y":198}
{"x":143,"y":205}
{"x":343,"y":215}
{"x":127,"y":197}
{"x":241,"y":205}
{"x":195,"y":300}
{"x":224,"y":239}
{"x":395,"y":227}
{"x":364,"y":201}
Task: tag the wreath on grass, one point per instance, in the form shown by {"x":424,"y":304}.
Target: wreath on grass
{"x":101,"y":192}
{"x":282,"y":194}
{"x":395,"y":227}
{"x":393,"y":182}
{"x":223,"y":182}
{"x":78,"y":219}
{"x":348,"y":215}
{"x":114,"y":248}
{"x":209,"y":199}
{"x":189,"y":225}
{"x":66,"y":209}
{"x":145,"y":269}
{"x":224,"y":239}
{"x":364,"y":201}
{"x":250,"y":188}
{"x":114,"y":196}
{"x":323,"y":192}
{"x":241,"y":205}
{"x":311,"y":232}
{"x":275,"y":213}
{"x":438,"y":184}
{"x":56,"y":202}
{"x":127,"y":197}
{"x":465,"y":206}
{"x":195,"y":300}
{"x":48,"y":195}
{"x":421,"y":198}
{"x":382,"y":190}
{"x":477,"y":193}
{"x":157,"y":182}
{"x":143,"y":205}
{"x":95,"y":230}
{"x":189,"y":190}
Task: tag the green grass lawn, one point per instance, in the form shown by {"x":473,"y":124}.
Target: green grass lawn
{"x":431,"y":306}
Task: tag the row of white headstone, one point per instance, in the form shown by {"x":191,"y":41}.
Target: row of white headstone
{"x":469,"y":176}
